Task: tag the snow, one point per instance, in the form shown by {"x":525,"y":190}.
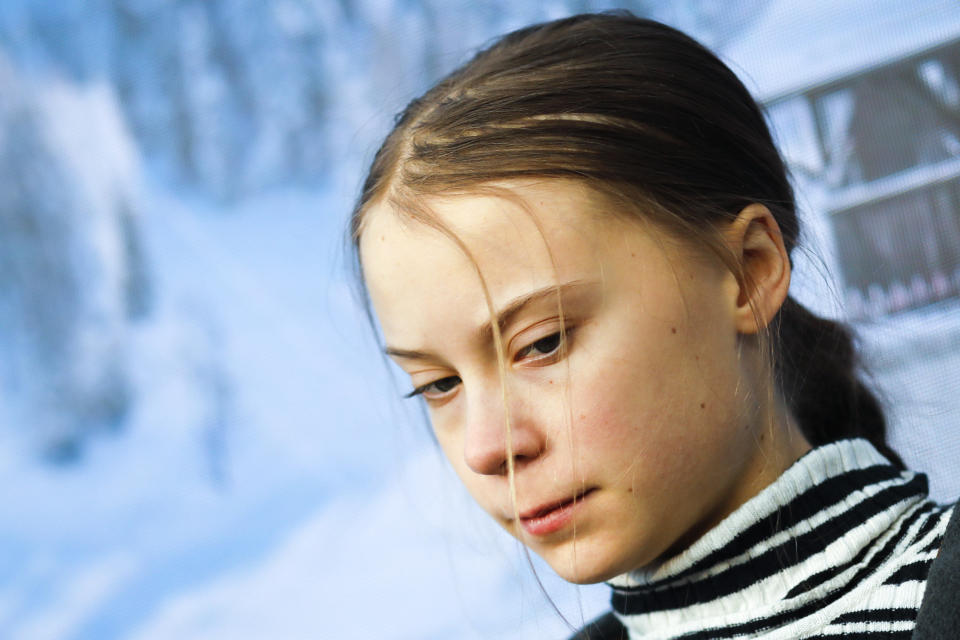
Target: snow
{"x":828,"y":40}
{"x":304,"y":504}
{"x":71,"y":274}
{"x":81,"y":592}
{"x":289,"y":596}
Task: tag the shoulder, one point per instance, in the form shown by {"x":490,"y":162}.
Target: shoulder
{"x":606,"y":627}
{"x":939,"y":615}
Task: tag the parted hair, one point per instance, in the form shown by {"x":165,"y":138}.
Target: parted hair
{"x":647,"y":116}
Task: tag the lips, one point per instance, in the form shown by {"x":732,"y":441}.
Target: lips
{"x":544,"y":509}
{"x":552,"y":516}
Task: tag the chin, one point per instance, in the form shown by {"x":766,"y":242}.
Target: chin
{"x":584,"y":565}
{"x":586,"y":575}
{"x":585,"y":579}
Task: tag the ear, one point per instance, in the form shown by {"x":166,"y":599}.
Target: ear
{"x":757,"y":243}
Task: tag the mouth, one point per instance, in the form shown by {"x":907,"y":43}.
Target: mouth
{"x":551,"y":517}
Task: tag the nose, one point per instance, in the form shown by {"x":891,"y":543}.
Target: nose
{"x":487,"y":446}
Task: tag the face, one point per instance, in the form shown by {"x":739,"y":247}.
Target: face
{"x":620,"y":398}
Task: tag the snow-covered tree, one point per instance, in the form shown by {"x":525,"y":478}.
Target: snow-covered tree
{"x":72,"y":274}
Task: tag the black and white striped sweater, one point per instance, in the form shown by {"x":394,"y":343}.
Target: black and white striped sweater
{"x":838,"y":547}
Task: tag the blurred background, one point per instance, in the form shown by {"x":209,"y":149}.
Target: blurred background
{"x":198,"y":438}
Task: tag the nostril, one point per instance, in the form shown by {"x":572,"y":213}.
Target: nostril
{"x":521,"y":460}
{"x":489,"y":445}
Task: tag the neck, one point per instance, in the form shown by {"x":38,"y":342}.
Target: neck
{"x":840,"y":532}
{"x":780,"y":443}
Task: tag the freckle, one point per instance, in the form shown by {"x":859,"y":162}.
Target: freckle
{"x":703,"y":405}
{"x":673,"y":329}
{"x":550,"y":381}
{"x":633,"y":255}
{"x":583,"y":416}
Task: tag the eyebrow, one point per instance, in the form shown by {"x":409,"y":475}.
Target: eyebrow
{"x":503,"y":317}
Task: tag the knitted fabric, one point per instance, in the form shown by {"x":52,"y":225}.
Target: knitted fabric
{"x":839,"y":546}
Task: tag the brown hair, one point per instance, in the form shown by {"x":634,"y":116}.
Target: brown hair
{"x":647,"y":116}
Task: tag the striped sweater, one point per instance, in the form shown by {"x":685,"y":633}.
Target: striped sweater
{"x":838,"y":547}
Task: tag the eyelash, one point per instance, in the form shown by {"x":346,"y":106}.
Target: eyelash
{"x":423,"y":389}
{"x":562,"y":344}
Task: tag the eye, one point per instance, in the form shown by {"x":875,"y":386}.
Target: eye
{"x":437,"y":389}
{"x":546,"y":347}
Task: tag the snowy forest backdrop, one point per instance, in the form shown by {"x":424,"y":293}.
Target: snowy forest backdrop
{"x":197,"y":436}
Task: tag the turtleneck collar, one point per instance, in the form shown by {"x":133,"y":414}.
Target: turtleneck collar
{"x":798,"y":548}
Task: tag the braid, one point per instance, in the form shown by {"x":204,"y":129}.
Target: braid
{"x":817,"y":366}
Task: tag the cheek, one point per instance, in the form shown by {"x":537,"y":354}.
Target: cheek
{"x":452,"y":446}
{"x":653,"y":410}
{"x":614,"y":420}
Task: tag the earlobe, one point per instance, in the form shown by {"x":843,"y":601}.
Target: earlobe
{"x":757,"y":243}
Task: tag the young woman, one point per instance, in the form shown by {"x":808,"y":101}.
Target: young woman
{"x":578,"y":247}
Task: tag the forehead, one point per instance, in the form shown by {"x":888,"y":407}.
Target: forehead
{"x":425,"y":283}
{"x":527,"y":237}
